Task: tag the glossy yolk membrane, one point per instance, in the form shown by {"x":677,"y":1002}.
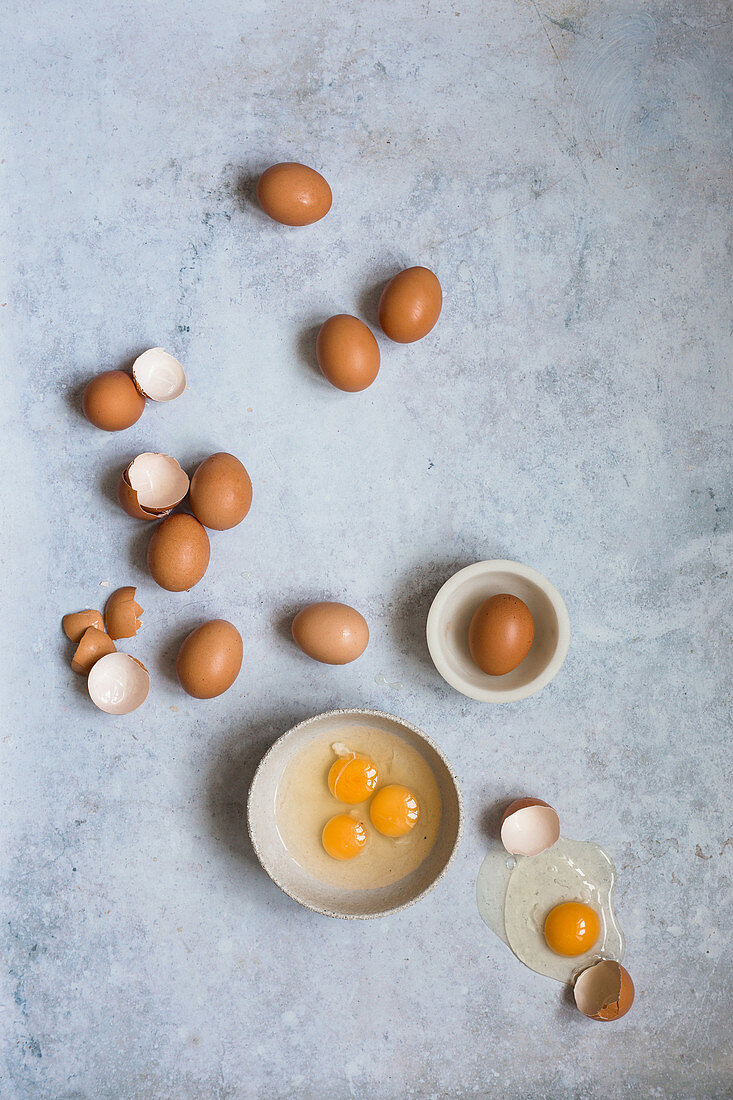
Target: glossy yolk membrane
{"x":343,"y":837}
{"x":353,"y":779}
{"x":571,"y":928}
{"x":394,"y":810}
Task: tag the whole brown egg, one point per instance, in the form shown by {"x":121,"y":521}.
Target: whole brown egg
{"x":210,"y":659}
{"x":112,"y":402}
{"x":501,"y":634}
{"x":178,"y":553}
{"x":220,"y":492}
{"x":347,"y":353}
{"x":293,"y":194}
{"x":410,"y":305}
{"x":332,"y":633}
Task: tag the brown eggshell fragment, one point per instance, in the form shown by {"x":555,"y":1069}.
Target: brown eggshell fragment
{"x":347,"y":353}
{"x":111,"y":401}
{"x":151,"y":486}
{"x":118,"y":683}
{"x":294,"y":194}
{"x":501,"y":634}
{"x":529,"y":826}
{"x":76,"y":622}
{"x":93,"y":645}
{"x":410,"y":305}
{"x":604,"y":991}
{"x":178,"y":553}
{"x":121,"y":614}
{"x":332,"y":633}
{"x":210,"y":659}
{"x":221,"y":492}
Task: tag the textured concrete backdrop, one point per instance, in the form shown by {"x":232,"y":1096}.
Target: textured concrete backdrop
{"x":563,"y":166}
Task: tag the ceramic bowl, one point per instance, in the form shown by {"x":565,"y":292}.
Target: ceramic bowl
{"x":451,"y":613}
{"x":328,"y":899}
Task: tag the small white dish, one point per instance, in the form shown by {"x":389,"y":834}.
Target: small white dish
{"x":321,"y":897}
{"x":451,"y":613}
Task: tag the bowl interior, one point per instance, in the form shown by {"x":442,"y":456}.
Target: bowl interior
{"x":302,"y":886}
{"x":451,"y":617}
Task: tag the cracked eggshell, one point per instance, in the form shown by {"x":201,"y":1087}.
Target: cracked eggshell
{"x":76,"y":622}
{"x":221,"y":492}
{"x":151,"y":486}
{"x":118,"y":683}
{"x":158,"y":375}
{"x":93,"y":645}
{"x":121,"y":614}
{"x":209,"y":660}
{"x":112,"y":402}
{"x":178,"y":553}
{"x":529,"y":826}
{"x":604,"y":991}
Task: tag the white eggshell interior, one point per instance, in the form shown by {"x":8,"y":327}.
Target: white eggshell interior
{"x":158,"y":375}
{"x":118,"y":684}
{"x":598,"y":986}
{"x":158,"y":480}
{"x":531,"y":830}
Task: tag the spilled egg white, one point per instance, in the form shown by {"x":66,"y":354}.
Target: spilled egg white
{"x":515,"y":895}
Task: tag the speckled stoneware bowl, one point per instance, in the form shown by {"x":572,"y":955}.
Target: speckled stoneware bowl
{"x":303,"y":887}
{"x":451,"y":613}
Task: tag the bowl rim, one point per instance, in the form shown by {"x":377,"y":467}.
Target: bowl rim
{"x":370,"y":713}
{"x":488,"y":694}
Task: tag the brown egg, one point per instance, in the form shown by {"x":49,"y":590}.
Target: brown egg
{"x":111,"y":401}
{"x":93,"y":644}
{"x":121,"y":614}
{"x":210,"y":659}
{"x":293,"y":194}
{"x":178,"y":553}
{"x":604,"y":991}
{"x":410,"y":305}
{"x":76,"y":622}
{"x":221,"y":492}
{"x":501,"y":634}
{"x":332,"y":633}
{"x":347,"y":353}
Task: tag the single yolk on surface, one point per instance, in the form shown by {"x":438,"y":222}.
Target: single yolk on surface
{"x":394,"y":810}
{"x":571,"y":928}
{"x":343,"y":836}
{"x":353,"y":779}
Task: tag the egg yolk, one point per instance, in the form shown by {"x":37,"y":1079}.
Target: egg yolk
{"x":353,"y":779}
{"x":394,"y":810}
{"x":571,"y":928}
{"x":344,"y":837}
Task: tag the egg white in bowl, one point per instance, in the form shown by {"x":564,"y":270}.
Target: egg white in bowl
{"x":335,"y":889}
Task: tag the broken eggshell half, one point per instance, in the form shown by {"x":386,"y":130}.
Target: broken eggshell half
{"x":158,"y":375}
{"x":93,"y":645}
{"x":121,"y":614}
{"x":76,"y":622}
{"x":118,"y":683}
{"x":604,"y":990}
{"x":529,"y":826}
{"x":151,"y":486}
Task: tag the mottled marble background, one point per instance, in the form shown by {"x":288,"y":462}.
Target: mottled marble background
{"x":564,"y":167}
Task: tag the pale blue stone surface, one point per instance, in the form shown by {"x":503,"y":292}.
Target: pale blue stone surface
{"x":565,"y":169}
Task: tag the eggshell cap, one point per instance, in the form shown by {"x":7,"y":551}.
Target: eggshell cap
{"x":158,"y":375}
{"x":76,"y":622}
{"x":121,"y":614}
{"x":604,"y":991}
{"x":151,"y":486}
{"x":529,"y":826}
{"x":93,"y":645}
{"x":118,"y":683}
